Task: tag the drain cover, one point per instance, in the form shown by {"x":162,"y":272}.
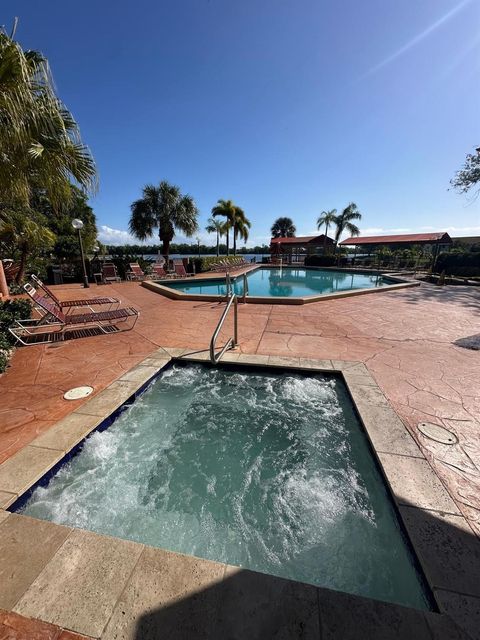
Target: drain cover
{"x":437,"y":433}
{"x":77,"y":393}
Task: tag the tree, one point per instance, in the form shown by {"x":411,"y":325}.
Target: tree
{"x":166,"y":209}
{"x":326,"y":218}
{"x":241,"y":228}
{"x":234,"y":216}
{"x":344,"y":222}
{"x":24,"y":233}
{"x":60,"y":222}
{"x":40,"y":143}
{"x":469,"y":175}
{"x":283,"y":228}
{"x":215,"y":226}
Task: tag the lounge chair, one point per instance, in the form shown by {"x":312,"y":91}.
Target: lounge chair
{"x":180,"y":271}
{"x":136,"y":272}
{"x":55,"y":324}
{"x":67,"y":305}
{"x":159,"y":271}
{"x":109,"y":273}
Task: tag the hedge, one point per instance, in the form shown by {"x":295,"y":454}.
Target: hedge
{"x":459,"y":264}
{"x":10,"y":311}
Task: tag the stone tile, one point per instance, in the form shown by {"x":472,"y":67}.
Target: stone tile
{"x":283,"y":361}
{"x":447,"y":549}
{"x":26,"y":546}
{"x":176,"y":352}
{"x":414,"y":483}
{"x":387,"y":432}
{"x":169,"y":595}
{"x":196,"y":355}
{"x":348,"y":617}
{"x":27,"y":466}
{"x":230,"y":356}
{"x":6,"y":499}
{"x":3,"y":515}
{"x":351,"y":365}
{"x":253,"y":358}
{"x":79,"y":587}
{"x":311,"y":363}
{"x":110,"y":399}
{"x":67,"y":433}
{"x":141,"y":373}
{"x":70,"y":635}
{"x":159,"y":361}
{"x":366,"y":394}
{"x":464,"y":610}
{"x":257,"y":605}
{"x":359,"y":379}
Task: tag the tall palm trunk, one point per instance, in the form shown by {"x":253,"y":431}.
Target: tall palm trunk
{"x":166,"y":250}
{"x":218,"y":243}
{"x":234,"y":239}
{"x":228,"y":241}
{"x":23,"y":262}
{"x":325,"y":240}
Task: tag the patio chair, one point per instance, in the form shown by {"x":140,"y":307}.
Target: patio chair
{"x":159,"y":272}
{"x":136,"y":272}
{"x":109,"y":273}
{"x":55,"y":324}
{"x":67,"y":305}
{"x":180,"y":271}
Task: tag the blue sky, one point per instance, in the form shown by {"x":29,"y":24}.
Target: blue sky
{"x":288,"y":107}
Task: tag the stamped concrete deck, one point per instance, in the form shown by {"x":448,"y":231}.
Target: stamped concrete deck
{"x":405,"y":340}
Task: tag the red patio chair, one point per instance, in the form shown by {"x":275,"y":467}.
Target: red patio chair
{"x":109,"y":273}
{"x":136,"y":272}
{"x":55,"y":323}
{"x":68,"y":305}
{"x":180,"y":271}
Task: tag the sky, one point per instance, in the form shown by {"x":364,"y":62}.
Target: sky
{"x":287,"y":107}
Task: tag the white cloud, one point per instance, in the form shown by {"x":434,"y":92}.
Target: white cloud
{"x":108,"y":235}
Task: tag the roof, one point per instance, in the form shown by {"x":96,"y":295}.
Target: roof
{"x":300,"y":240}
{"x":409,"y":237}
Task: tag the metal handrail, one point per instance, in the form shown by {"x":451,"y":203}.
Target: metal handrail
{"x":245,"y":287}
{"x":231,"y":342}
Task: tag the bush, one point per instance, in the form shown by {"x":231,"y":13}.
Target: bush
{"x":10,"y":310}
{"x":328,"y":260}
{"x":459,"y":264}
{"x":205,"y":264}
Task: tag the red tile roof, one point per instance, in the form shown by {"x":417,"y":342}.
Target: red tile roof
{"x":409,"y":237}
{"x":299,"y":240}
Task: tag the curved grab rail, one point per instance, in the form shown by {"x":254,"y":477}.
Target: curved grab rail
{"x":231,"y":342}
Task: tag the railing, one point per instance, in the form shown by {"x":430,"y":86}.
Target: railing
{"x":231,"y":342}
{"x":245,"y":287}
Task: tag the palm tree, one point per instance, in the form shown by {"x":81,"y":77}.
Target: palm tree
{"x":233,"y":215}
{"x":344,"y":222}
{"x":283,"y":228}
{"x":40,"y":144}
{"x":241,"y":228}
{"x":215,"y":226}
{"x":166,"y":209}
{"x":326,"y":219}
{"x":24,"y":232}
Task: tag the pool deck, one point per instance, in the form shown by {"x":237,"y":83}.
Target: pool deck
{"x":405,"y":340}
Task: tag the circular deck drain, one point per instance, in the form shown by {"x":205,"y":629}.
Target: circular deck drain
{"x":437,"y":433}
{"x":77,"y":393}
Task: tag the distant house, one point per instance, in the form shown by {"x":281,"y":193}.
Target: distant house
{"x":295,"y":249}
{"x":369,"y":244}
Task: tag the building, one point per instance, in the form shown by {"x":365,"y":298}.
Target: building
{"x":295,"y":249}
{"x":434,"y":242}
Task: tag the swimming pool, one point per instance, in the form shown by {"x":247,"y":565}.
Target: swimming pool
{"x":286,"y":282}
{"x":263,"y":470}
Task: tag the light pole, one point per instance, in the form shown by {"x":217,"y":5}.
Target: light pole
{"x":198,"y":242}
{"x":78,"y":225}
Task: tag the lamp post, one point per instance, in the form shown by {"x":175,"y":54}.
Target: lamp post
{"x":78,"y":225}
{"x":198,"y":243}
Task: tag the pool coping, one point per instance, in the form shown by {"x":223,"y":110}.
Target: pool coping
{"x":394,"y":449}
{"x":162,"y":288}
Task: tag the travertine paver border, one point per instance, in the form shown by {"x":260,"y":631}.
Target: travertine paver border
{"x":174,"y":294}
{"x":393,"y":447}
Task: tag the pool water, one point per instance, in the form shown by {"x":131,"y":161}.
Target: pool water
{"x":287,"y":282}
{"x":268,"y":471}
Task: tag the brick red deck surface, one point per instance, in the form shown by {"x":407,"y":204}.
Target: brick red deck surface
{"x":404,"y":337}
